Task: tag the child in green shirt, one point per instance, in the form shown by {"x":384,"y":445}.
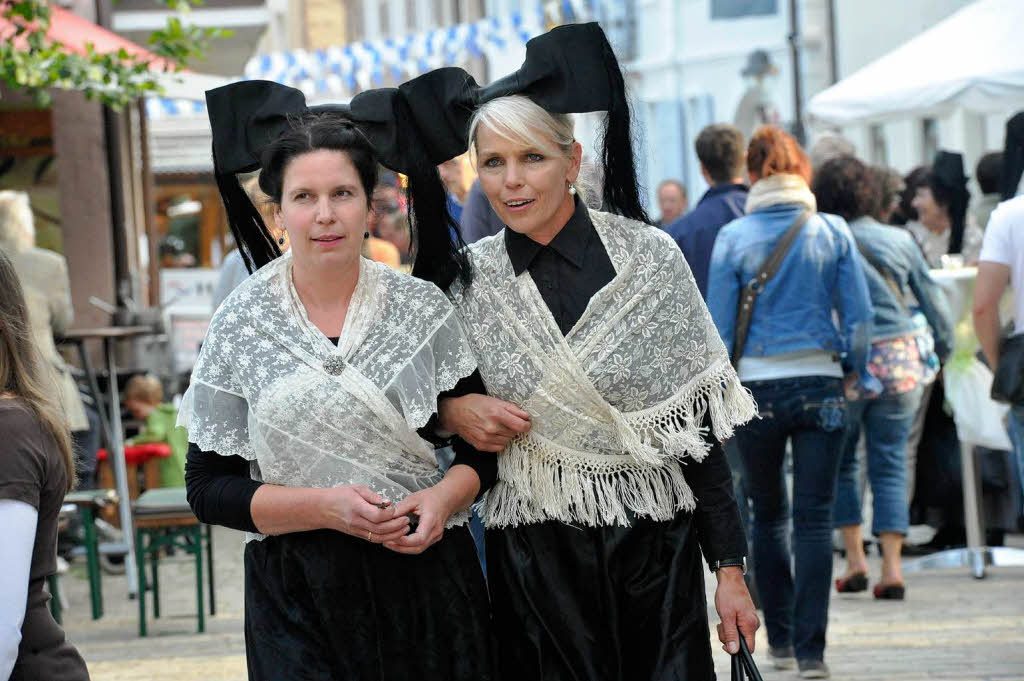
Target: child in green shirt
{"x":143,"y":397}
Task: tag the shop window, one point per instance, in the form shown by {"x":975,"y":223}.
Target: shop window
{"x":737,"y":9}
{"x":879,"y":145}
{"x":929,"y":139}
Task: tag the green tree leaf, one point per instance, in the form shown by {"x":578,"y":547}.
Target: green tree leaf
{"x":37,"y":62}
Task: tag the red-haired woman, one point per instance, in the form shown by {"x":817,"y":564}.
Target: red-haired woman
{"x":36,"y":470}
{"x":794,"y":361}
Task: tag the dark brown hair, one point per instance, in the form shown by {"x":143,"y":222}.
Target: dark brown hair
{"x":845,"y":187}
{"x":720,"y":150}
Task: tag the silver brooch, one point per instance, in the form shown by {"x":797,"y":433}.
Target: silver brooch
{"x":334,"y":365}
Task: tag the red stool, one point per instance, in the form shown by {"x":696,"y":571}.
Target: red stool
{"x":146,"y":456}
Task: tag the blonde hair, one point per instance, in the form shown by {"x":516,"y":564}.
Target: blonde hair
{"x":23,"y":373}
{"x":17,"y":227}
{"x":144,"y":388}
{"x":522,"y":121}
{"x":264,"y":205}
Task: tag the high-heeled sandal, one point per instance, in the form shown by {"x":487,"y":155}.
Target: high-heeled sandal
{"x":856,"y":582}
{"x":890,"y":592}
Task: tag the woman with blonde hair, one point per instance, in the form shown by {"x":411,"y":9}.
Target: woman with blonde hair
{"x":604,"y":379}
{"x":36,"y":471}
{"x":794,"y":270}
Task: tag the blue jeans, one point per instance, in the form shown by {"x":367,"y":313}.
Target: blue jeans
{"x":886,"y":423}
{"x":1017,"y":438}
{"x":810,"y":411}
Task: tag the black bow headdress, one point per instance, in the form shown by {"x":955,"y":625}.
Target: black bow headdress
{"x":248,"y":115}
{"x":949,"y":185}
{"x":570,"y":69}
{"x":1013,"y":156}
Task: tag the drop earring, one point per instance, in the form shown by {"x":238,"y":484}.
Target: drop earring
{"x":572,"y":189}
{"x":366,"y":235}
{"x":280,"y":241}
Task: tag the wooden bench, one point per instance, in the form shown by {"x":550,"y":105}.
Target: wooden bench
{"x":163,"y":519}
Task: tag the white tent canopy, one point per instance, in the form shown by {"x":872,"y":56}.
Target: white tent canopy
{"x":973,"y":60}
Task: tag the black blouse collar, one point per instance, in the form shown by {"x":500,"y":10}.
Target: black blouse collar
{"x":571,"y":242}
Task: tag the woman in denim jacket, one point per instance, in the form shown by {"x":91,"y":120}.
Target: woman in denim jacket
{"x":903,"y":356}
{"x":794,"y":363}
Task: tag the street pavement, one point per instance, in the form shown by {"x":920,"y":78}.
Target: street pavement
{"x":950,"y":627}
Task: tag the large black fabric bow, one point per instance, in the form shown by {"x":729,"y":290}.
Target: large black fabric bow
{"x":1013,"y":156}
{"x":247,"y":115}
{"x":570,"y":69}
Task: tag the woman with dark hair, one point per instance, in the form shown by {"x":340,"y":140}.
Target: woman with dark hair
{"x":36,"y":470}
{"x":794,"y":360}
{"x":590,"y":323}
{"x":309,"y":403}
{"x":900,"y":358}
{"x":943,"y":225}
{"x":905,"y":211}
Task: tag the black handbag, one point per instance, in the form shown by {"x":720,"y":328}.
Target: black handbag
{"x":743,"y":667}
{"x":1008,"y":382}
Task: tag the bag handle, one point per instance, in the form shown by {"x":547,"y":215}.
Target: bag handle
{"x":750,"y":292}
{"x":883,"y":272}
{"x":743,"y":667}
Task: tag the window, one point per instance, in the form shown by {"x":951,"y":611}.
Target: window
{"x":929,"y":139}
{"x":736,"y":9}
{"x":879,"y":145}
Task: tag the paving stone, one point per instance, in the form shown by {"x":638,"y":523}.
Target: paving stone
{"x":950,"y":627}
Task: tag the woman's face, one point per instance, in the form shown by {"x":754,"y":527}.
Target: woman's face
{"x":528,"y":188}
{"x":323,"y":208}
{"x":391,"y":230}
{"x":930,"y":212}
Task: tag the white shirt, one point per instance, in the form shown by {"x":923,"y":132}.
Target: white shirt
{"x":16,"y":541}
{"x":1004,"y":244}
{"x":935,"y":245}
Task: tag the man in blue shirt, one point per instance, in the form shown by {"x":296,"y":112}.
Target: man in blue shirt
{"x":722,"y":153}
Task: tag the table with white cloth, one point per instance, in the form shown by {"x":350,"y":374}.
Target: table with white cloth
{"x":980,"y":421}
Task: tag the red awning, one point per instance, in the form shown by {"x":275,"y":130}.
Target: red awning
{"x":74,"y":33}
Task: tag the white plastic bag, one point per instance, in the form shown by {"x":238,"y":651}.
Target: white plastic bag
{"x":979,"y":419}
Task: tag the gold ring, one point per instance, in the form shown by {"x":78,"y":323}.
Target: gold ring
{"x":369,"y":535}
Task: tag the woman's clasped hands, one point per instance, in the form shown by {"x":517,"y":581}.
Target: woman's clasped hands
{"x":360,"y":512}
{"x":410,"y":526}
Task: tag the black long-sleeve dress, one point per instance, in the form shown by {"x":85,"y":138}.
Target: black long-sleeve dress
{"x":327,"y":605}
{"x":606,"y":603}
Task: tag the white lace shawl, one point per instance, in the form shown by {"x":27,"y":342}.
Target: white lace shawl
{"x":618,"y":402}
{"x":270,"y":387}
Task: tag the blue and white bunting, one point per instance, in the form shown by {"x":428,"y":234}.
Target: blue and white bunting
{"x":339,"y":72}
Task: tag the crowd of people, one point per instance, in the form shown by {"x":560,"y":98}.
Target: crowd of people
{"x":818,"y":278}
{"x":615,"y":400}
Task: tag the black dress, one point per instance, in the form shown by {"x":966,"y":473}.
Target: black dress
{"x":328,"y":606}
{"x":324,"y":605}
{"x":611,"y":603}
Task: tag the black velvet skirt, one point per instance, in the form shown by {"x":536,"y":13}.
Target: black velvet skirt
{"x":599,"y":604}
{"x":327,"y":606}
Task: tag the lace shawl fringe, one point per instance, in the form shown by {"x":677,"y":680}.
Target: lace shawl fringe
{"x":541,"y":481}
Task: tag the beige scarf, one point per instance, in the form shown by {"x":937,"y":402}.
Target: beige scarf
{"x":618,"y":402}
{"x":777,"y":189}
